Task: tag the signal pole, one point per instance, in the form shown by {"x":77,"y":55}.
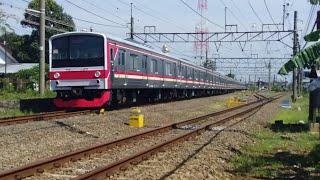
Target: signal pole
{"x":131,"y":24}
{"x":42,"y":47}
{"x":269,"y":76}
{"x":295,"y":50}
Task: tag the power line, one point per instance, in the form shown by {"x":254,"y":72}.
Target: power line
{"x":48,"y":27}
{"x":256,"y":14}
{"x":51,"y":20}
{"x":233,"y":14}
{"x":151,"y":15}
{"x":61,"y":22}
{"x":26,"y":1}
{"x":90,"y":12}
{"x":201,"y":14}
{"x":103,"y":9}
{"x":100,"y":24}
{"x":167,"y":20}
{"x":265,"y":4}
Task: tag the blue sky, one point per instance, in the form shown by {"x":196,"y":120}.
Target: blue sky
{"x":174,"y":16}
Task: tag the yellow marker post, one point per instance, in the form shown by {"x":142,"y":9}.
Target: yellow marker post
{"x":101,"y":111}
{"x":136,"y":119}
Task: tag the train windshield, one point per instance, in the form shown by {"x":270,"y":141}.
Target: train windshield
{"x":78,"y":51}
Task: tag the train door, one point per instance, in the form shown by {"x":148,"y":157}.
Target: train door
{"x":174,"y":74}
{"x":179,"y":74}
{"x":121,"y":67}
{"x":144,"y":69}
{"x":163,"y":72}
{"x":112,"y":68}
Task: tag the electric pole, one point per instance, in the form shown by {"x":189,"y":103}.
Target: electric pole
{"x":42,"y":47}
{"x":295,"y":50}
{"x":269,"y":75}
{"x":131,"y":23}
{"x":5,"y":52}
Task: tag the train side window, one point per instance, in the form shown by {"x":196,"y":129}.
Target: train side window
{"x":144,"y":62}
{"x":135,"y":62}
{"x":111,"y":54}
{"x":154,"y":66}
{"x":173,"y":69}
{"x":121,"y":57}
{"x":167,"y":69}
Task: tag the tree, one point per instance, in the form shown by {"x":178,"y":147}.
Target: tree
{"x":55,"y":16}
{"x":23,"y":48}
{"x":314,"y":2}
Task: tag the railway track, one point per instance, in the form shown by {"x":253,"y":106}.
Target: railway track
{"x":41,"y":117}
{"x":58,"y":162}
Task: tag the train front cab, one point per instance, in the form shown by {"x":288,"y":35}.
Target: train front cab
{"x":79,"y":70}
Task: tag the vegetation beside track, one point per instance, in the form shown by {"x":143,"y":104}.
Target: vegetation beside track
{"x":28,"y":94}
{"x":6,"y":95}
{"x":283,"y":153}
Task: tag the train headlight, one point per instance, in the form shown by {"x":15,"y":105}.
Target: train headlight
{"x":97,"y":74}
{"x":56,"y":75}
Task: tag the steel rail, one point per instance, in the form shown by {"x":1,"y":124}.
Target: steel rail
{"x":59,"y":160}
{"x":122,"y":164}
{"x":41,"y":117}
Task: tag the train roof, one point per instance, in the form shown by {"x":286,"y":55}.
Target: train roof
{"x":138,"y":45}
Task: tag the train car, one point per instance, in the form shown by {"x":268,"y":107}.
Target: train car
{"x":92,"y":70}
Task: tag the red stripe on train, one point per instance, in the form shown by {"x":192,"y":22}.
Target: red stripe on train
{"x":69,"y":75}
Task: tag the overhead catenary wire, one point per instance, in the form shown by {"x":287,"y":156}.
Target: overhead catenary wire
{"x":270,"y":15}
{"x":103,"y":9}
{"x":26,"y":1}
{"x":151,"y":15}
{"x":59,"y":21}
{"x":187,"y":5}
{"x":90,"y":12}
{"x":162,"y":18}
{"x":233,"y":14}
{"x":310,"y":17}
{"x":255,"y":13}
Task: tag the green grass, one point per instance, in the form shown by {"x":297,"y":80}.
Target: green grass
{"x":12,"y":112}
{"x":299,"y":111}
{"x":28,"y":94}
{"x":281,"y":155}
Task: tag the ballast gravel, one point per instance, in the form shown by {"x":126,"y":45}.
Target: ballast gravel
{"x":25,"y":143}
{"x":205,"y":156}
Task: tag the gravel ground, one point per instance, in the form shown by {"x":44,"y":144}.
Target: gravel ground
{"x":204,"y":157}
{"x":23,"y":143}
{"x":97,"y":160}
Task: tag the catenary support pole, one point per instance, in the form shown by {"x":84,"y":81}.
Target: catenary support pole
{"x":131,"y":23}
{"x":42,"y":48}
{"x":269,"y":76}
{"x":295,"y":49}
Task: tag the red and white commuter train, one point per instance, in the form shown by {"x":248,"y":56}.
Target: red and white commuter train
{"x":91,"y":70}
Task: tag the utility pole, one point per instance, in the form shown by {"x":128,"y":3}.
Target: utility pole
{"x":225,"y":19}
{"x":269,"y":76}
{"x":295,"y":50}
{"x":42,"y":47}
{"x":5,"y":52}
{"x":131,"y":23}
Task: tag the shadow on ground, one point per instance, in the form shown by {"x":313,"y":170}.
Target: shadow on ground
{"x":278,"y":126}
{"x":283,"y":165}
{"x":37,"y":105}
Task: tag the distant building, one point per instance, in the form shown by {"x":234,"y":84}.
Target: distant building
{"x":10,"y":63}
